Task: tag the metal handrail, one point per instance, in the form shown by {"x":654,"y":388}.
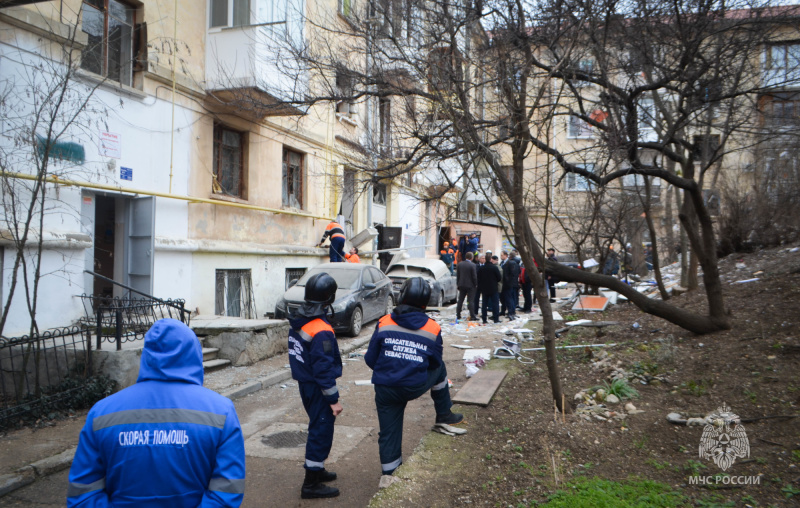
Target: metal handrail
{"x":129,"y":288}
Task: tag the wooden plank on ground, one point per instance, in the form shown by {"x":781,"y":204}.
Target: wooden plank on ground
{"x":480,"y":388}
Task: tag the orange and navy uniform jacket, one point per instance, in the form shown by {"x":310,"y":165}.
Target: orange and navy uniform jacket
{"x":314,"y":355}
{"x":405,"y":345}
{"x":447,"y":255}
{"x":352,"y":258}
{"x":334,"y":230}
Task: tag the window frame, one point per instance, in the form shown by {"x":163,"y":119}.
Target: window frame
{"x":585,"y":130}
{"x":577,"y":183}
{"x":106,"y":12}
{"x":230,"y":14}
{"x":285,"y":202}
{"x":376,"y":191}
{"x":216,"y":161}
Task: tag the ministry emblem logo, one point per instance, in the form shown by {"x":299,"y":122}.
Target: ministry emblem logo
{"x":724,"y":439}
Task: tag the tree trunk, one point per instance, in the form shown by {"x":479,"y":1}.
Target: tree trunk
{"x":648,"y":217}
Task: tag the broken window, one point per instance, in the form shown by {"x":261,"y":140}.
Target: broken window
{"x":385,"y":127}
{"x":109,"y":26}
{"x":292,"y":185}
{"x":379,"y":194}
{"x":228,"y":167}
{"x":234,"y":294}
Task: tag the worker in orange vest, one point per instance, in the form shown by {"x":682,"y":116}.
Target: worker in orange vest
{"x":352,"y":256}
{"x":448,"y":256}
{"x":405,"y":355}
{"x":336,"y":233}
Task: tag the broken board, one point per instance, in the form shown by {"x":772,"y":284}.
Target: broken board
{"x":480,"y":388}
{"x":595,"y":303}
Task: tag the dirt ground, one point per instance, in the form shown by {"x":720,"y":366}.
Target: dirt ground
{"x":518,"y":453}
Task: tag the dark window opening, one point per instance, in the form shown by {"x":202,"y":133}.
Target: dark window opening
{"x":109,"y":25}
{"x":234,"y":294}
{"x":292,"y":179}
{"x":293,"y":274}
{"x":228,"y":162}
{"x":379,"y":194}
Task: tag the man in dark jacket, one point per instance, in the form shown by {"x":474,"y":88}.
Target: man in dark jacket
{"x":316,"y":364}
{"x":467,"y":283}
{"x":405,"y":355}
{"x":511,"y":287}
{"x":488,"y":278}
{"x":165,"y":441}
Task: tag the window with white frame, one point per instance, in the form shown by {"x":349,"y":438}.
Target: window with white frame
{"x":292,"y":194}
{"x":785,"y":56}
{"x":574,"y":182}
{"x":638,"y":181}
{"x":234,"y":294}
{"x":577,"y":128}
{"x":229,"y":13}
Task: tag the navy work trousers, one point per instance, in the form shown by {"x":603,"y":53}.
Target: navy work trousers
{"x":320,"y":426}
{"x":391,"y":404}
{"x":336,"y":250}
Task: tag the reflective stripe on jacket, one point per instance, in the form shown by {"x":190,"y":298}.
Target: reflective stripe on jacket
{"x":314,"y":355}
{"x":165,"y":441}
{"x":403,"y":348}
{"x":334,"y":230}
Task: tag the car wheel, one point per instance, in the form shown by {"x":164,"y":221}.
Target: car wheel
{"x":389,"y":304}
{"x":356,"y":320}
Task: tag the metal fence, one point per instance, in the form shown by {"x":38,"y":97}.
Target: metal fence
{"x":41,"y":370}
{"x":119,"y":320}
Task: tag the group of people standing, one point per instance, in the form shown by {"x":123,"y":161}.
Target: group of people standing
{"x":454,"y":251}
{"x":167,"y":441}
{"x":491,"y":283}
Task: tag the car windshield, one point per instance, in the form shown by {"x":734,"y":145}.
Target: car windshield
{"x":345,"y":279}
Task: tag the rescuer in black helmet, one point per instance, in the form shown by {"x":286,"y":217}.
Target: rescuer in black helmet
{"x":316,"y":363}
{"x":415,"y":292}
{"x":405,"y":355}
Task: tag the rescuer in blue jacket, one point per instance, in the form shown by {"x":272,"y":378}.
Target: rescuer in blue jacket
{"x":165,"y":441}
{"x":316,"y":363}
{"x":405,"y":354}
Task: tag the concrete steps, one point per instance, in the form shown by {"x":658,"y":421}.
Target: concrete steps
{"x":210,"y":360}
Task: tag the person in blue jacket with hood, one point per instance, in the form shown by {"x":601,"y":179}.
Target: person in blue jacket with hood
{"x":165,"y":441}
{"x":405,"y":355}
{"x":316,"y":364}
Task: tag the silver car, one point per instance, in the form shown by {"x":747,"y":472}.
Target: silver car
{"x":435,"y":272}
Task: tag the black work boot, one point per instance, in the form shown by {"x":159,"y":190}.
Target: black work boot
{"x":313,"y":488}
{"x":326,"y":476}
{"x":450,"y":419}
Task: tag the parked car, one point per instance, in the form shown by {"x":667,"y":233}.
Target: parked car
{"x":435,"y":272}
{"x":363,"y":295}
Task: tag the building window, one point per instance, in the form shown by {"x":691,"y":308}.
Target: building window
{"x":646,"y":113}
{"x":109,"y":52}
{"x":345,"y":8}
{"x":577,"y":182}
{"x":228,"y":13}
{"x":234,"y":294}
{"x":293,"y":274}
{"x":379,"y":194}
{"x":577,"y":128}
{"x":292,"y":179}
{"x":705,"y":147}
{"x":385,"y":126}
{"x":344,"y":88}
{"x":228,"y":162}
{"x":781,"y":110}
{"x":784,"y":57}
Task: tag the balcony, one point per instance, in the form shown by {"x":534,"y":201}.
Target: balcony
{"x":250,"y":70}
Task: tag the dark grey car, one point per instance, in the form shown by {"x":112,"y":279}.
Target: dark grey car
{"x":364,"y":294}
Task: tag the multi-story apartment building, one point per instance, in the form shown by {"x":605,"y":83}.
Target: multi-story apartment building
{"x":187,"y":166}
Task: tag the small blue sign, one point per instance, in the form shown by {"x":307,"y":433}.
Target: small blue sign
{"x":126,"y":173}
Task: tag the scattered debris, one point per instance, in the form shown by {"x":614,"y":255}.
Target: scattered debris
{"x":745,"y":281}
{"x":362,"y":382}
{"x":461,"y":346}
{"x":480,"y":388}
{"x":593,"y":303}
{"x":471,"y":354}
{"x":387,"y":480}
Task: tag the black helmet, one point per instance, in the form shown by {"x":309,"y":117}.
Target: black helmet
{"x":320,"y":288}
{"x":415,"y":292}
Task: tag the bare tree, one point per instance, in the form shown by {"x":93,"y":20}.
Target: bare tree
{"x":44,"y":108}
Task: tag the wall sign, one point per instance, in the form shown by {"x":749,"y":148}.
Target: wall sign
{"x":126,"y":173}
{"x":110,"y":145}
